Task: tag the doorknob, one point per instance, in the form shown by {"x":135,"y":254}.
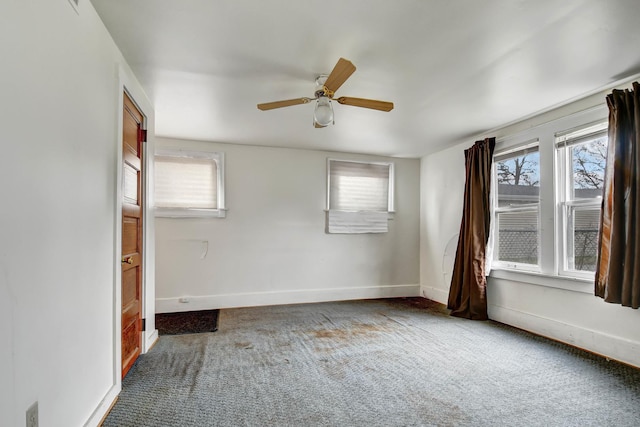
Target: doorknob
{"x":128,"y":260}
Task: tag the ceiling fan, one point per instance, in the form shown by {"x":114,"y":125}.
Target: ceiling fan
{"x":327,"y":86}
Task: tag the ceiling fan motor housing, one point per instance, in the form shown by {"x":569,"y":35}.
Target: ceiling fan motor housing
{"x":321,"y":89}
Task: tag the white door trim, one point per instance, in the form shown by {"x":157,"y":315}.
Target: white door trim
{"x":126,"y":82}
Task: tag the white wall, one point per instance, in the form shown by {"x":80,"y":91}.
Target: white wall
{"x":441,"y":199}
{"x":59,"y":114}
{"x":272,"y":248}
{"x":572,"y":316}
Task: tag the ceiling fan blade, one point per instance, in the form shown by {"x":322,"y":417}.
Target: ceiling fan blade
{"x":366,"y":103}
{"x":340,"y":73}
{"x":285,"y":103}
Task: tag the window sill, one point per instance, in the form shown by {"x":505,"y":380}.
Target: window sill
{"x":189,"y":213}
{"x":573,"y":284}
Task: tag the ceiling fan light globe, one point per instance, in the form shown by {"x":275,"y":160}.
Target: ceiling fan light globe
{"x":323,"y":113}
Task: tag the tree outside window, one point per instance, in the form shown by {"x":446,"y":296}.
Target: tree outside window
{"x":588,"y":162}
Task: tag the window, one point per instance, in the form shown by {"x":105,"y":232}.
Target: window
{"x":357,"y":186}
{"x":189,"y":183}
{"x":359,"y":196}
{"x":517,"y":207}
{"x":547,"y":192}
{"x":581,"y":158}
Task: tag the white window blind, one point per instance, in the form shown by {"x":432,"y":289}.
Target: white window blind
{"x":344,"y":222}
{"x":582,"y":134}
{"x":189,"y":183}
{"x":183,"y":182}
{"x":355,"y":186}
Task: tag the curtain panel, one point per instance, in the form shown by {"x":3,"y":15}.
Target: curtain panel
{"x":618,"y":266}
{"x":467,"y":296}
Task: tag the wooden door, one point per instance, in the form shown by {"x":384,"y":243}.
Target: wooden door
{"x":132,"y":207}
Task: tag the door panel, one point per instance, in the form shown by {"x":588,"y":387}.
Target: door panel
{"x":131,"y":178}
{"x":132,"y":152}
{"x":129,"y":236}
{"x":129,"y":279}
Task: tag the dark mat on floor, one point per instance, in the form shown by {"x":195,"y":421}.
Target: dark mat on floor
{"x":187,"y":322}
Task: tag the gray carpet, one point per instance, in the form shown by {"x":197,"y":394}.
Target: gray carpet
{"x":400,"y":362}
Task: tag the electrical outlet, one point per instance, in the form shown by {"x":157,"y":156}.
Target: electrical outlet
{"x":32,"y":415}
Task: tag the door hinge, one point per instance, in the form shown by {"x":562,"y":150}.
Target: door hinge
{"x":142,"y":133}
{"x":143,"y":325}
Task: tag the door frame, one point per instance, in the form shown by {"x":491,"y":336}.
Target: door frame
{"x":132,"y":111}
{"x":150,"y":335}
{"x":128,"y":84}
{"x":125,"y":81}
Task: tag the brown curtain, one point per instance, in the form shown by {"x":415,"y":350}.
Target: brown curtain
{"x":467,"y":296}
{"x":618,"y":270}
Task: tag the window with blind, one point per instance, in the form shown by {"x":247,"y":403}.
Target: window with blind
{"x":189,"y":183}
{"x":581,"y":159}
{"x":517,"y":207}
{"x":359,"y":196}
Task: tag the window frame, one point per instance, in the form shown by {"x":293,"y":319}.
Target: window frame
{"x":513,"y":147}
{"x":565,"y":203}
{"x":178,"y":212}
{"x":391,"y":183}
{"x":550,"y":220}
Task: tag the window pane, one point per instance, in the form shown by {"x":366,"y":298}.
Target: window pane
{"x":582,"y":239}
{"x":185,"y":182}
{"x":518,"y":178}
{"x":588,"y":160}
{"x":358,"y":186}
{"x":518,"y":237}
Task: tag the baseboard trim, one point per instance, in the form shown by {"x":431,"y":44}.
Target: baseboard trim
{"x":606,"y":345}
{"x":435,"y":294}
{"x":150,"y":340}
{"x":250,"y":299}
{"x":105,"y":405}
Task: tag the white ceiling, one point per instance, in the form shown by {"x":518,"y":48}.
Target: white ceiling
{"x":454,"y":69}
